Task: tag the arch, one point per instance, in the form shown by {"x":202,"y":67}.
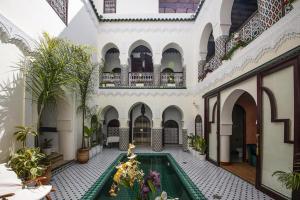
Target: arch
{"x":177,"y":108}
{"x":207,"y":31}
{"x":107,"y":47}
{"x":137,"y":104}
{"x":226,"y":113}
{"x":138,"y":43}
{"x":106,"y":109}
{"x":173,"y":45}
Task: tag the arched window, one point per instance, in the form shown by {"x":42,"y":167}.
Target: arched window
{"x":210,"y":47}
{"x":141,"y":59}
{"x":198,"y":125}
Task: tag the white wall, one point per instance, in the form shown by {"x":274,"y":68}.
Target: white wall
{"x":12,"y":105}
{"x":281,"y":157}
{"x":36,"y":16}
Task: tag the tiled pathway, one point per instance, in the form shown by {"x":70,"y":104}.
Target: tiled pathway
{"x":72,"y":181}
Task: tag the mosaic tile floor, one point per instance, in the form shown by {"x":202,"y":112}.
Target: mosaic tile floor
{"x":73,"y":180}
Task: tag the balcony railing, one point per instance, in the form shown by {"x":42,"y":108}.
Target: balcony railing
{"x":256,"y":24}
{"x":111,"y":79}
{"x":250,"y":30}
{"x":172,"y":79}
{"x":141,"y":79}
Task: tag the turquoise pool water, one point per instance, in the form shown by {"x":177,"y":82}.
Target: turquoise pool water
{"x":173,"y":180}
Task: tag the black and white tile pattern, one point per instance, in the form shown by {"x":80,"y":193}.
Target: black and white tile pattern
{"x":72,"y":181}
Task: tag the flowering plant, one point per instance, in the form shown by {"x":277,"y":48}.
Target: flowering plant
{"x":129,"y":173}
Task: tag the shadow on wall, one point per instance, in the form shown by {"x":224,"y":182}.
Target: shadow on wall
{"x":11,"y":104}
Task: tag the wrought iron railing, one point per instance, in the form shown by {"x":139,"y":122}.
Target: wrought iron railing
{"x":110,"y":79}
{"x":175,"y":79}
{"x":141,"y":79}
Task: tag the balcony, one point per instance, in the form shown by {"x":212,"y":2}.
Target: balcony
{"x":172,"y":79}
{"x":109,"y":79}
{"x":142,"y":80}
{"x":259,"y":21}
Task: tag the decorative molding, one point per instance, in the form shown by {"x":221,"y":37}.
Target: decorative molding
{"x":9,"y":33}
{"x":144,"y":92}
{"x":274,"y":116}
{"x":270,"y":40}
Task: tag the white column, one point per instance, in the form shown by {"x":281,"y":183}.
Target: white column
{"x":225,"y":133}
{"x":225,"y":148}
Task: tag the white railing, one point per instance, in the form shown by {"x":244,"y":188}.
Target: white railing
{"x":111,"y":79}
{"x":175,"y":79}
{"x":141,"y":79}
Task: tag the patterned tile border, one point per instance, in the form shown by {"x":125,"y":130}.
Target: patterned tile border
{"x":189,"y":185}
{"x":92,"y":192}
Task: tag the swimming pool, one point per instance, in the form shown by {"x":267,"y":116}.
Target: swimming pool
{"x":173,"y":179}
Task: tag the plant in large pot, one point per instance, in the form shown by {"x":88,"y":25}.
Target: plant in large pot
{"x":200,"y":146}
{"x":26,"y":163}
{"x":29,"y":163}
{"x":47,"y":70}
{"x":83,"y":72}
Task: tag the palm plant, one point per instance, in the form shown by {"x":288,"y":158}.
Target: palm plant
{"x":83,"y":72}
{"x":22,"y":133}
{"x":47,"y":70}
{"x":291,"y":180}
{"x":88,"y":132}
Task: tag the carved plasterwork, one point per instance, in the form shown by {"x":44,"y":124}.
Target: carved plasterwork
{"x":9,"y":33}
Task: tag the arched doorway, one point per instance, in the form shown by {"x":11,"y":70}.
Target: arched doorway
{"x":142,"y":131}
{"x":109,"y":116}
{"x":172,"y":125}
{"x":140,"y":124}
{"x":237,"y":143}
{"x":241,"y":111}
{"x":171,"y":132}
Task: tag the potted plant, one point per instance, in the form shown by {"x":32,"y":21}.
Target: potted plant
{"x":26,"y":163}
{"x":88,"y":132}
{"x":291,"y":180}
{"x":47,"y":70}
{"x":200,"y":145}
{"x":47,"y":146}
{"x":83,"y":73}
{"x":191,"y":138}
{"x":22,"y":133}
{"x":171,"y":80}
{"x":27,"y":155}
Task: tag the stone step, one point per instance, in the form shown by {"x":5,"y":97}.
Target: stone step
{"x":55,"y":157}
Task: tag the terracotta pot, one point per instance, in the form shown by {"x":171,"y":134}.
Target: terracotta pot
{"x":47,"y":174}
{"x":83,"y":156}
